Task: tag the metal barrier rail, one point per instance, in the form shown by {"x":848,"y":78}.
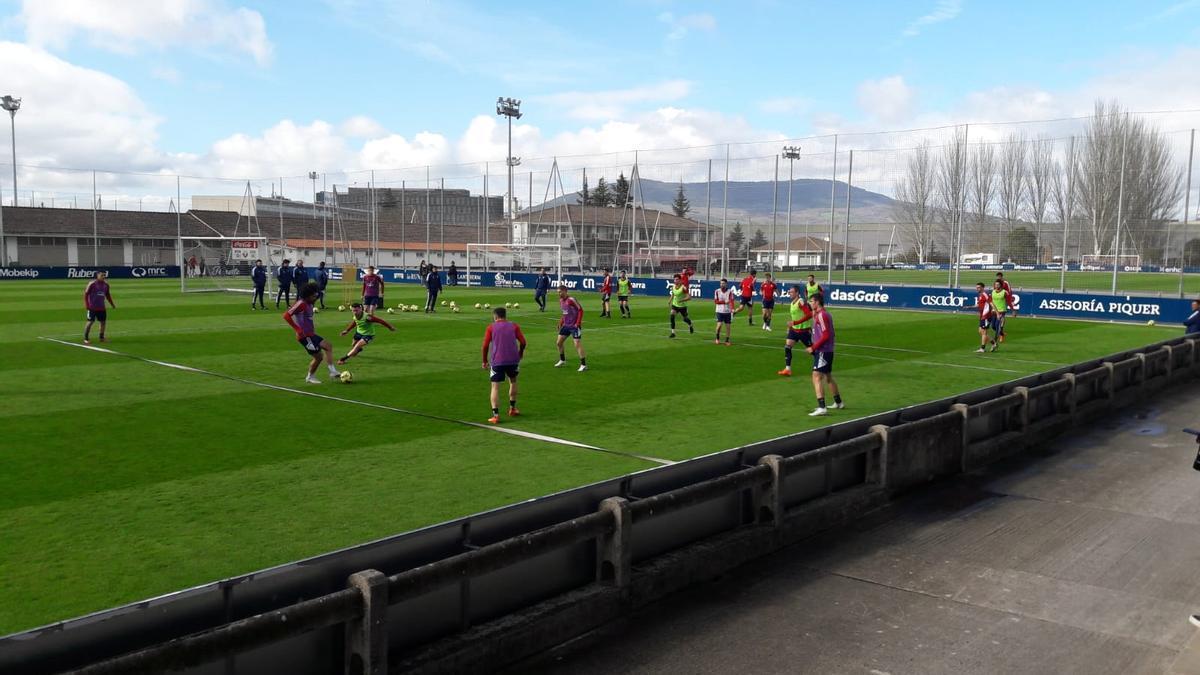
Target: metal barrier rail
{"x":896,"y":457}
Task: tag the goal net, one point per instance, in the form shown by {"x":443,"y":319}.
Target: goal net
{"x":222,"y":263}
{"x":498,"y":259}
{"x":1125,"y":262}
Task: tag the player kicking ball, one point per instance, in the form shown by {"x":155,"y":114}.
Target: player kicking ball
{"x":570,"y":324}
{"x":300,"y":317}
{"x":822,"y":353}
{"x":94,"y":295}
{"x":503,"y":349}
{"x":723,"y":299}
{"x":363,"y":325}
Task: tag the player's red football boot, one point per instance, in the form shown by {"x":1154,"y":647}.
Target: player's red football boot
{"x":494,"y":419}
{"x":513,"y":412}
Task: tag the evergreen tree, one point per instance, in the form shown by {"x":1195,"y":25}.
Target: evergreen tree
{"x":621,"y":196}
{"x":682,"y":205}
{"x":758,"y":240}
{"x":584,"y":197}
{"x":736,"y":239}
{"x":602,"y":196}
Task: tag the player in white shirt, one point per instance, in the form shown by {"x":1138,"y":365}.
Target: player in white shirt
{"x":724,"y":298}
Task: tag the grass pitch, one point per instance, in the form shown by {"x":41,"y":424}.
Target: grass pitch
{"x":121,"y":479}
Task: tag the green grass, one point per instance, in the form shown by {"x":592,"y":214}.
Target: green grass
{"x":1153,"y":283}
{"x":121,"y":479}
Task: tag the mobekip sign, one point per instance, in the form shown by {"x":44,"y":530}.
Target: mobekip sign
{"x":139,"y":272}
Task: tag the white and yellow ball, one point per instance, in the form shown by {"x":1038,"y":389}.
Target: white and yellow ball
{"x":516,"y":305}
{"x":487,"y":305}
{"x":478,"y":306}
{"x":1150,"y":322}
{"x":346,"y":377}
{"x":391,"y":311}
{"x":341,"y":308}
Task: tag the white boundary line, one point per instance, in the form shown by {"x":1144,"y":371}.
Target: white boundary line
{"x":378,"y":406}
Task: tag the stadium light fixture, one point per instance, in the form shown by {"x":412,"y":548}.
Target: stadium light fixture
{"x":791,"y":153}
{"x":510,"y":108}
{"x":12,"y":105}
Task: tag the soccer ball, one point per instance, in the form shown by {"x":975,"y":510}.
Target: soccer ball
{"x":391,"y":311}
{"x":346,"y":377}
{"x":341,"y":308}
{"x":455,"y":310}
{"x":508,"y":305}
{"x":413,"y":308}
{"x":316,"y":310}
{"x":478,"y":306}
{"x":487,"y":305}
{"x":453,"y":303}
{"x":443,"y":303}
{"x":1150,"y":322}
{"x":516,"y":305}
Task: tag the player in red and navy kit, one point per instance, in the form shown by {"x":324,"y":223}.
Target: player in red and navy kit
{"x":94,"y":295}
{"x":987,"y":317}
{"x":822,"y":352}
{"x":768,"y":301}
{"x":372,"y":290}
{"x":748,"y":295}
{"x":300,"y":317}
{"x":606,"y":294}
{"x":503,"y":348}
{"x":570,"y":324}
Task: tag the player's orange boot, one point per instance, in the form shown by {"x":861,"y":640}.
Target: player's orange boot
{"x":513,"y":412}
{"x":494,"y":419}
{"x":786,"y":372}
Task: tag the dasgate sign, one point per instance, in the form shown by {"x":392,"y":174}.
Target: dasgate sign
{"x":140,"y":272}
{"x":1025,"y":303}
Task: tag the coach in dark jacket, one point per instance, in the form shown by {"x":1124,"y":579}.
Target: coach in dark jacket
{"x":540,"y":289}
{"x":433,"y":286}
{"x":284,"y":277}
{"x":258,"y":274}
{"x":299,"y":275}
{"x":322,"y":281}
{"x":1192,"y":323}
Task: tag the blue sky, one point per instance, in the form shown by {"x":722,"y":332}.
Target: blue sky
{"x":212,"y":85}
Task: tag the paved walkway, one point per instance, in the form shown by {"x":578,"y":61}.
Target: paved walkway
{"x":1082,"y":558}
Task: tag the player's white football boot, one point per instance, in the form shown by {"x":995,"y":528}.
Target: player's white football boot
{"x":582,"y":368}
{"x":312,"y":379}
{"x":559,"y":364}
{"x":818,"y":412}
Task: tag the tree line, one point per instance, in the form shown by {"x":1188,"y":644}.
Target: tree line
{"x":1012,"y":198}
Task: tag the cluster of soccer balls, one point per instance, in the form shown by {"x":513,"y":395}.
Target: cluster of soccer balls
{"x":452,"y":305}
{"x":510,"y":305}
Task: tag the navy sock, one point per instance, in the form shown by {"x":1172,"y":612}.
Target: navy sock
{"x":837,"y":398}
{"x":787,"y":356}
{"x":820,"y":402}
{"x":512,"y":402}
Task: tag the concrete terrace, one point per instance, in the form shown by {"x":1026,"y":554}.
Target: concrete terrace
{"x":1082,"y":557}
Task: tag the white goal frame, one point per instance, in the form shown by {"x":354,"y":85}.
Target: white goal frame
{"x":498,"y":253}
{"x":220,"y":270}
{"x":1089,"y":262}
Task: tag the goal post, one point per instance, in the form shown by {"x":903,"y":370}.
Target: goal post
{"x":1090,"y":262}
{"x":500,"y":258}
{"x":210,"y":264}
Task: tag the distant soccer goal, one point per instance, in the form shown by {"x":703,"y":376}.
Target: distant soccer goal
{"x":1094,"y":263}
{"x":500,"y":258}
{"x":221,"y":263}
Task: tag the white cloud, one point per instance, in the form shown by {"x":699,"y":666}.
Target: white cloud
{"x":127,"y":26}
{"x":680,"y":26}
{"x":945,"y":10}
{"x":887,"y":100}
{"x":597,"y":105}
{"x":361,"y":126}
{"x":166,"y":74}
{"x":785,"y":105}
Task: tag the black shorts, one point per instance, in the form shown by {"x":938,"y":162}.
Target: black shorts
{"x":680,"y":310}
{"x":498,"y":373}
{"x":747,"y":302}
{"x":312,"y":344}
{"x":372,"y":301}
{"x":365,"y":338}
{"x":804,"y":336}
{"x":100,"y":315}
{"x":823,"y":362}
{"x":605,"y":297}
{"x":571,"y":331}
{"x":724,"y":317}
{"x":622,"y":298}
{"x":768,"y":304}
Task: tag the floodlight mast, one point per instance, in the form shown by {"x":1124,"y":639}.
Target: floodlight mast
{"x":791,"y":153}
{"x":509,"y":108}
{"x":12,"y":105}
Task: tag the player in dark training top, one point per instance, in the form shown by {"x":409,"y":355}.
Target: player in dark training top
{"x":300,"y":317}
{"x":259,"y":276}
{"x":372,"y":290}
{"x":570,"y":325}
{"x":363,"y":325}
{"x":606,"y":294}
{"x":503,"y":348}
{"x":540,"y":288}
{"x":94,"y":296}
{"x":284,"y":276}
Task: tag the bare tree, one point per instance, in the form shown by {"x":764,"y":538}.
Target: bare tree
{"x":1039,"y":185}
{"x":982,"y":190}
{"x":1012,"y":187}
{"x":1152,"y":181}
{"x":915,"y":202}
{"x":952,"y":188}
{"x":1063,"y":193}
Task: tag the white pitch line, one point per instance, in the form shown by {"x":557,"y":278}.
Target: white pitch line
{"x":378,"y":406}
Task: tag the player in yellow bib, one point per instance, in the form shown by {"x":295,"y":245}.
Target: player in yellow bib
{"x":363,"y":325}
{"x":679,"y":299}
{"x":799,"y":327}
{"x":624,"y":290}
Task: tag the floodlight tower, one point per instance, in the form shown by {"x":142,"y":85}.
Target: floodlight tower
{"x":12,"y":105}
{"x":509,"y":108}
{"x":791,"y":153}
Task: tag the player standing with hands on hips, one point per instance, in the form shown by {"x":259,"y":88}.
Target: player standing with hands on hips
{"x":94,"y":295}
{"x":503,"y":348}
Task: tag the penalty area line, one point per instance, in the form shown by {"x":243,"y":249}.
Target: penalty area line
{"x":378,"y":406}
